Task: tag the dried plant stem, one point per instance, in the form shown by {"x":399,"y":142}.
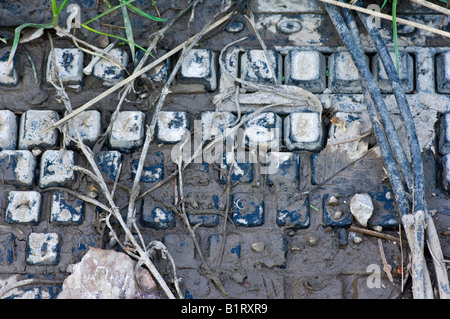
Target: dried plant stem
{"x":432,"y":6}
{"x":135,"y":190}
{"x":114,"y":210}
{"x":134,"y":76}
{"x":143,"y":256}
{"x":374,"y":233}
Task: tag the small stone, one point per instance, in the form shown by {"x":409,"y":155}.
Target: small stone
{"x":36,"y":152}
{"x":312,"y":240}
{"x":361,"y":207}
{"x":258,"y":247}
{"x":333,"y":201}
{"x":337,"y":214}
{"x":378,"y":228}
{"x":107,"y":274}
{"x":357,"y":239}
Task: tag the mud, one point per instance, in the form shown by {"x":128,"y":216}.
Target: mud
{"x":286,"y":264}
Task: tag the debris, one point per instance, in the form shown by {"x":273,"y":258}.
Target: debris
{"x":386,"y":267}
{"x":361,"y":207}
{"x":107,"y":274}
{"x":373,"y":233}
{"x":312,"y":240}
{"x":258,"y":247}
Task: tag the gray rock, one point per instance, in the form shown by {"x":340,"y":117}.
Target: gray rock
{"x":361,"y":207}
{"x":107,"y":274}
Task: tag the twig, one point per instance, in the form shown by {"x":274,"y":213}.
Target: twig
{"x":438,"y":257}
{"x":98,"y":177}
{"x":33,"y":67}
{"x":320,"y":185}
{"x":88,"y":69}
{"x":116,"y":213}
{"x":388,"y":17}
{"x":401,"y":252}
{"x":85,"y":198}
{"x":214,"y":278}
{"x":374,"y":233}
{"x":386,"y":267}
{"x":151,"y":128}
{"x":432,"y":6}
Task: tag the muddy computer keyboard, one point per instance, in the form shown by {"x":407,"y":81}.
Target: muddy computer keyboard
{"x":288,"y":222}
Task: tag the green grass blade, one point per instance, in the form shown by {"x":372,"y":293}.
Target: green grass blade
{"x":144,"y":14}
{"x":54,"y":7}
{"x":62,"y":6}
{"x":384,"y":3}
{"x":128,"y":30}
{"x":116,"y":37}
{"x":108,"y":11}
{"x":33,"y":67}
{"x":17,"y":32}
{"x":394,"y":31}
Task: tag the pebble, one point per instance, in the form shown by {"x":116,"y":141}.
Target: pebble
{"x":289,"y":26}
{"x":258,"y":247}
{"x":361,"y":207}
{"x":378,"y":228}
{"x":337,"y":214}
{"x":333,"y":201}
{"x":312,"y":240}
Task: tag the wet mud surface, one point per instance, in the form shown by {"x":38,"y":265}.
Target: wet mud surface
{"x":270,"y":261}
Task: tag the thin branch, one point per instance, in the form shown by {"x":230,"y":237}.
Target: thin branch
{"x":432,"y":6}
{"x":386,"y":267}
{"x":374,"y":233}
